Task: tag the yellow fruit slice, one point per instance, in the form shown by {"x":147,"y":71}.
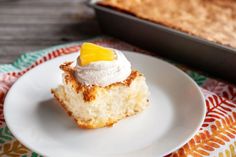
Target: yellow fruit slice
{"x":91,"y":53}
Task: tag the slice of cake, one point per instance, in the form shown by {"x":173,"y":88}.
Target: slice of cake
{"x":101,"y":89}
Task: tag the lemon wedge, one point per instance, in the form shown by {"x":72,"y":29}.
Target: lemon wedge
{"x":91,"y":53}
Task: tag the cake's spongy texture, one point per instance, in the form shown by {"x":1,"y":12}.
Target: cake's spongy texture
{"x":110,"y":105}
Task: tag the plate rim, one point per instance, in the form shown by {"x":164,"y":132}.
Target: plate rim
{"x":194,"y":84}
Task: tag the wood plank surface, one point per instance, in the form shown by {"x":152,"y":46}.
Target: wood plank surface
{"x":27,"y":25}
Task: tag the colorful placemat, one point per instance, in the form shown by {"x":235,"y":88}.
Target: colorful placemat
{"x":217,"y":136}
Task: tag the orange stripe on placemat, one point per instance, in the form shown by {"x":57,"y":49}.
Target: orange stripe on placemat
{"x":202,"y":152}
{"x":208,"y":147}
{"x":212,"y":144}
{"x":217,"y":140}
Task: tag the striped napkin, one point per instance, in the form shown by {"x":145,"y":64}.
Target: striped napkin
{"x":217,"y":136}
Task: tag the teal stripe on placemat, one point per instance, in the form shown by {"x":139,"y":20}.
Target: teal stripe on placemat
{"x":26,"y":60}
{"x":6,"y":68}
{"x":198,"y":78}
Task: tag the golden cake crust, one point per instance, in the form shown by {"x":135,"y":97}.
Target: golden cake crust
{"x":89,"y":92}
{"x":214,"y":20}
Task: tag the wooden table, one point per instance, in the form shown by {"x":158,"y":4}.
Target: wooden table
{"x":28,"y":25}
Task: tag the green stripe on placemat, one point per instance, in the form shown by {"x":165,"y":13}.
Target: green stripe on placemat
{"x":198,"y":78}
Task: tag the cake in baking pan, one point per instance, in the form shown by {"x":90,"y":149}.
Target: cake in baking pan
{"x":214,"y":20}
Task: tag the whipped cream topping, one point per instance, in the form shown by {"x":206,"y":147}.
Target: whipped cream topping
{"x":104,"y":73}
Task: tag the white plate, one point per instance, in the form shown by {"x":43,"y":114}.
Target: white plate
{"x":175,"y":114}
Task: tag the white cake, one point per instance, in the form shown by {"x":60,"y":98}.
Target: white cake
{"x":95,"y":106}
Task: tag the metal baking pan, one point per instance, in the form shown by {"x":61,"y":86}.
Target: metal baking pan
{"x":215,"y":59}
